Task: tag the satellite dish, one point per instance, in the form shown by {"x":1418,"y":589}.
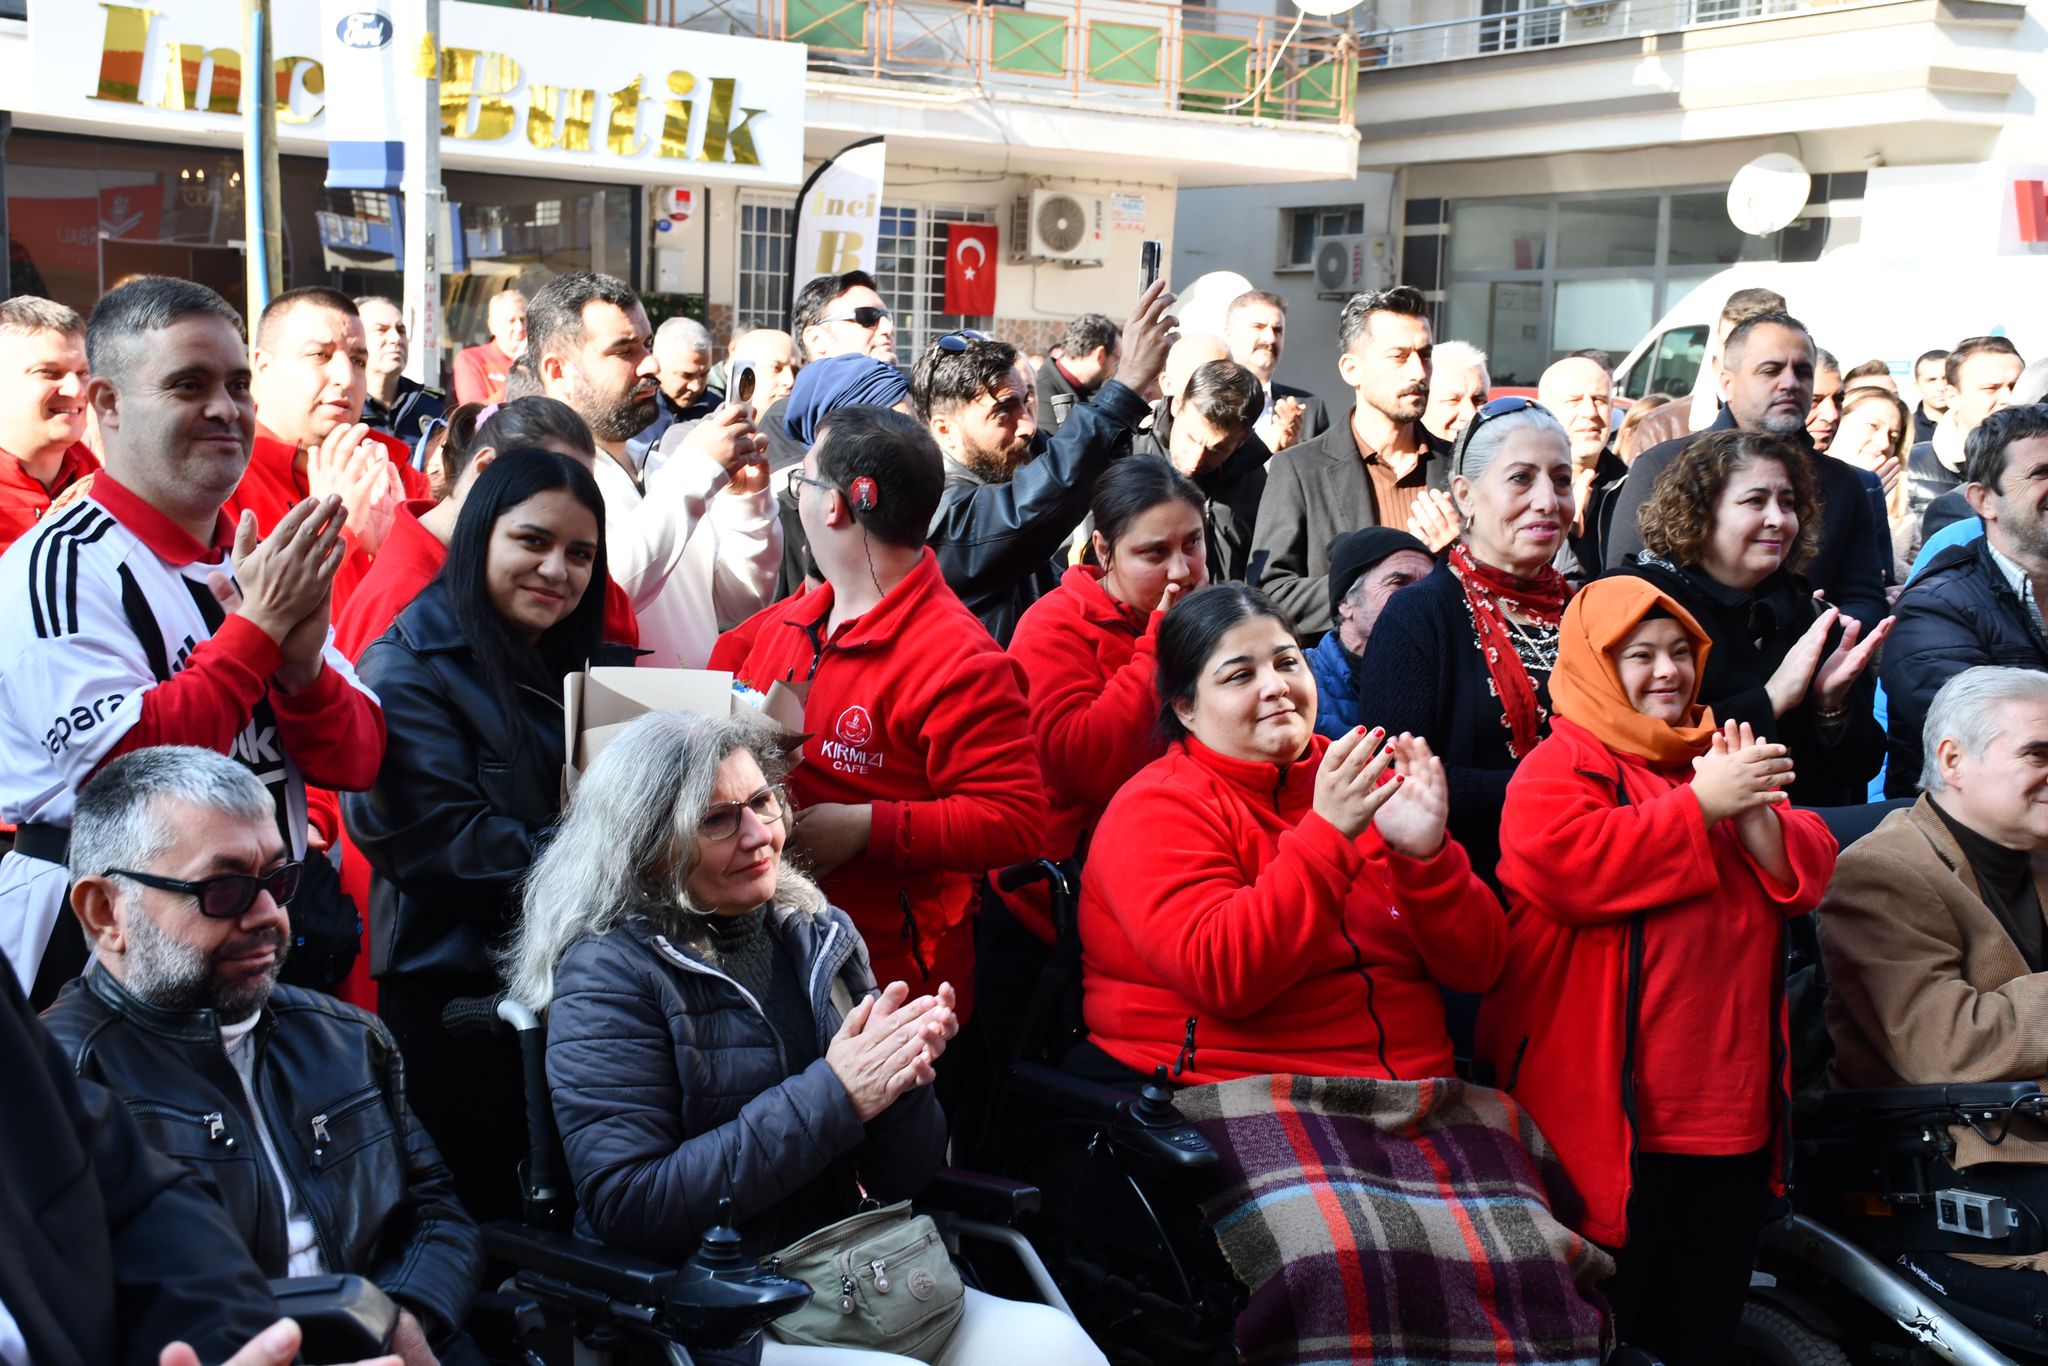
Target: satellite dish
{"x":1324,"y":9}
{"x":1768,"y":193}
{"x":1200,"y":306}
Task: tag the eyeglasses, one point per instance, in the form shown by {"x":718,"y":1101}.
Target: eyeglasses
{"x":868,"y":317}
{"x":953,"y":343}
{"x":797,"y":476}
{"x":225,"y":897}
{"x":1500,"y":407}
{"x":722,"y":819}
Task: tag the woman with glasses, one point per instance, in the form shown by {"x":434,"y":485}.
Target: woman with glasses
{"x":470,"y":675}
{"x":1726,"y":530}
{"x":1462,"y":657}
{"x":714,"y":1032}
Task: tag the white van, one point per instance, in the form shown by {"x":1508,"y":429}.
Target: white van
{"x":1859,"y":307}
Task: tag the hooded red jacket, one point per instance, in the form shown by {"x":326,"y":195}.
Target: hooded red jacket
{"x":1219,"y":908}
{"x":915,"y":710}
{"x":1578,"y":868}
{"x":1091,"y":669}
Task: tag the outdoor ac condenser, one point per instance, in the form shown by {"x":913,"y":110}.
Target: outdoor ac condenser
{"x":1348,"y":264}
{"x":1060,"y":225}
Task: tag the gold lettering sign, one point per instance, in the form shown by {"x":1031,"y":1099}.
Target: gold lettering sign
{"x":839,"y":252}
{"x":181,"y":78}
{"x":622,"y":133}
{"x":485,"y":76}
{"x":719,"y":134}
{"x":315,"y":82}
{"x":572,"y":132}
{"x":675,"y":118}
{"x":121,"y":52}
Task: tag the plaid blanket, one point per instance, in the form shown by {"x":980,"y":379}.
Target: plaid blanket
{"x":1396,"y":1221}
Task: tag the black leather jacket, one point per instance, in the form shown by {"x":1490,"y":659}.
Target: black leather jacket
{"x":459,"y":806}
{"x":332,"y":1090}
{"x":996,"y":542}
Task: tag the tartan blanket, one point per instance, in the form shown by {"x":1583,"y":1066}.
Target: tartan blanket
{"x":1396,"y":1221}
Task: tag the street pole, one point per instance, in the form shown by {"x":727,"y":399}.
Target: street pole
{"x":425,"y":199}
{"x":262,"y":212}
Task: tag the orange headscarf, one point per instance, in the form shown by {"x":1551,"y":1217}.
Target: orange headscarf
{"x":1585,"y":687}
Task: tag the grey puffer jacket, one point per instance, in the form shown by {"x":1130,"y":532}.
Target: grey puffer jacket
{"x":670,"y":1092}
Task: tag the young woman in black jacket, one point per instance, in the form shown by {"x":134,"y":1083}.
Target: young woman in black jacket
{"x":470,"y":676}
{"x":1727,"y":528}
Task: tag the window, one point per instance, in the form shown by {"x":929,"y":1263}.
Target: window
{"x":1306,"y":227}
{"x":1671,"y":366}
{"x":1514,"y":29}
{"x":765,"y":224}
{"x":910,"y":267}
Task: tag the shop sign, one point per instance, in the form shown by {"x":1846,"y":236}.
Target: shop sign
{"x":522,"y":91}
{"x":2030,"y":200}
{"x":1127,"y":211}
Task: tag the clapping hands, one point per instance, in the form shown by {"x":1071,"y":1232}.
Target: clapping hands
{"x":352,"y":466}
{"x":888,"y":1045}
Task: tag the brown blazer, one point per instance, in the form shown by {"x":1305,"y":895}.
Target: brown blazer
{"x":1924,"y":985}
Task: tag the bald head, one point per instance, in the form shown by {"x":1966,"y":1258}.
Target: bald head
{"x":1192,"y":351}
{"x":507,"y":319}
{"x":1580,"y":393}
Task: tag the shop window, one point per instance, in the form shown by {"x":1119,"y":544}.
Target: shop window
{"x":1607,"y":232}
{"x":765,"y":225}
{"x":1701,"y":234}
{"x":1610,"y":315}
{"x":1499,"y":234}
{"x":1306,"y":227}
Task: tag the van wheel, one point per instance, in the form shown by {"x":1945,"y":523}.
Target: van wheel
{"x":1773,"y":1337}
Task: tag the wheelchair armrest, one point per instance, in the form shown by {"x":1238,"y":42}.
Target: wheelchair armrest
{"x":1960,"y":1098}
{"x":342,"y":1318}
{"x":579,"y":1261}
{"x":1070,"y":1095}
{"x":977,"y":1195}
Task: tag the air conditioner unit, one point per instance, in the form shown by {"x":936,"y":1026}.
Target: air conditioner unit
{"x":1060,"y":225}
{"x":1352,"y":263}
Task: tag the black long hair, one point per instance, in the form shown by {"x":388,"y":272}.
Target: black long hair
{"x":1189,"y":635}
{"x":1135,"y":485}
{"x":504,"y":658}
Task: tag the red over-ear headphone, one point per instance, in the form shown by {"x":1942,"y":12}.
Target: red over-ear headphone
{"x":864,"y":493}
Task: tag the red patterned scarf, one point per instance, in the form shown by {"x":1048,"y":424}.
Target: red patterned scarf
{"x":1492,"y":594}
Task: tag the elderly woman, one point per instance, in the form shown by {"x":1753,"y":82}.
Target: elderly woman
{"x":1461,"y":658}
{"x":1650,"y":861}
{"x":1280,"y":916}
{"x":1725,"y":532}
{"x":714,"y":1031}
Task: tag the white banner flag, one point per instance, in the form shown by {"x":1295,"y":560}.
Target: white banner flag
{"x":838,"y":215}
{"x":358,"y":49}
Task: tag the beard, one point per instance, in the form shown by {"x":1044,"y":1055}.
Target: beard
{"x":1786,"y":423}
{"x":995,"y":464}
{"x":1406,"y":406}
{"x":173,"y":975}
{"x":616,"y":417}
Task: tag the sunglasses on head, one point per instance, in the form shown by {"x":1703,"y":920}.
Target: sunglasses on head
{"x":953,"y":343}
{"x":868,"y":317}
{"x":1500,"y":407}
{"x":225,"y":897}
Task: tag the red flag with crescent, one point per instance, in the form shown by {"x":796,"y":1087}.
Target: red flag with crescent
{"x":971,"y":269}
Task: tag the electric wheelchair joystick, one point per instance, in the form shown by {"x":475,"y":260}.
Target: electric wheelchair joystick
{"x":1148,"y":1125}
{"x":721,"y":1297}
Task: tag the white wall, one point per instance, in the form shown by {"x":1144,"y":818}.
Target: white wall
{"x":1243,"y":230}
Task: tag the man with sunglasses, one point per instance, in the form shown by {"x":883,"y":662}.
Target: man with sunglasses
{"x":291,"y":1103}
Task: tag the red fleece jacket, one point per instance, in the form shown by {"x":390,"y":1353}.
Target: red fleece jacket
{"x":1576,"y":867}
{"x":1090,"y":667}
{"x":914,"y":709}
{"x":1217,"y":905}
{"x":273,"y":486}
{"x":24,"y":500}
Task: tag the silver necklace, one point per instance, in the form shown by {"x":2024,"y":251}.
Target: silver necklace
{"x":1530,"y":644}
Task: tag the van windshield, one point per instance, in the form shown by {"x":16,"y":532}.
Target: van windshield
{"x":1670,"y":366}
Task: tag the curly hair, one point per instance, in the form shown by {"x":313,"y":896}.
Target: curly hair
{"x":1678,"y":519}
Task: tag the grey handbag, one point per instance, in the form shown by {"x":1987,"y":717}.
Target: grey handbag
{"x":884,"y":1282}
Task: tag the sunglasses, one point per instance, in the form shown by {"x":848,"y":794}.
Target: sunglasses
{"x":1500,"y":407}
{"x":722,"y":819}
{"x":953,"y":343}
{"x":869,"y":318}
{"x":225,"y":897}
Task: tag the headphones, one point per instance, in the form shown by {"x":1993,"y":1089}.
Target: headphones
{"x":863,"y":493}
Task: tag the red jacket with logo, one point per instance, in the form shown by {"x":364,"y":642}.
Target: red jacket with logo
{"x":1230,"y":931}
{"x":273,"y":486}
{"x":1578,"y":866}
{"x":1091,"y":669}
{"x":914,"y":709}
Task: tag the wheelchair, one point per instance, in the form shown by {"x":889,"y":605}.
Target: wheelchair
{"x":1859,"y":1267}
{"x":1122,"y":1174}
{"x":566,"y":1298}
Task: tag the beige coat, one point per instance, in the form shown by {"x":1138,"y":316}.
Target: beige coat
{"x":1924,"y":984}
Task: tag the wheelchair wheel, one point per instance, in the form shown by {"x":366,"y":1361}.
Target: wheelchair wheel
{"x":1773,"y":1337}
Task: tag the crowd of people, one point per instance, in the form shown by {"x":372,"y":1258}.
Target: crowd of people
{"x":1451,"y":734}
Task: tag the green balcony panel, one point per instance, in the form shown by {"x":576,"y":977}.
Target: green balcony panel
{"x":1028,"y":44}
{"x":1214,"y":72}
{"x":835,"y":25}
{"x":626,"y":11}
{"x":1123,"y":54}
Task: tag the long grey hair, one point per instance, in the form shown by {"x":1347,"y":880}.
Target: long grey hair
{"x":628,"y":843}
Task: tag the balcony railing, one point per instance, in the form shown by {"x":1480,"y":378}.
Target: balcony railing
{"x":1535,"y":25}
{"x":1149,"y":55}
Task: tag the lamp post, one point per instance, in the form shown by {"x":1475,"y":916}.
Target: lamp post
{"x":263,"y":251}
{"x":425,"y":198}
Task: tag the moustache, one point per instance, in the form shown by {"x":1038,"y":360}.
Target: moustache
{"x":249,"y":944}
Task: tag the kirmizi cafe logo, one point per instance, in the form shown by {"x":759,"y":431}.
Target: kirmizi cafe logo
{"x":848,"y":751}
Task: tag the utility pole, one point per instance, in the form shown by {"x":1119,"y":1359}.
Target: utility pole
{"x":425,"y":198}
{"x":263,"y":242}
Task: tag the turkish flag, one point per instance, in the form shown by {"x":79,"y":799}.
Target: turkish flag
{"x":971,"y":269}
